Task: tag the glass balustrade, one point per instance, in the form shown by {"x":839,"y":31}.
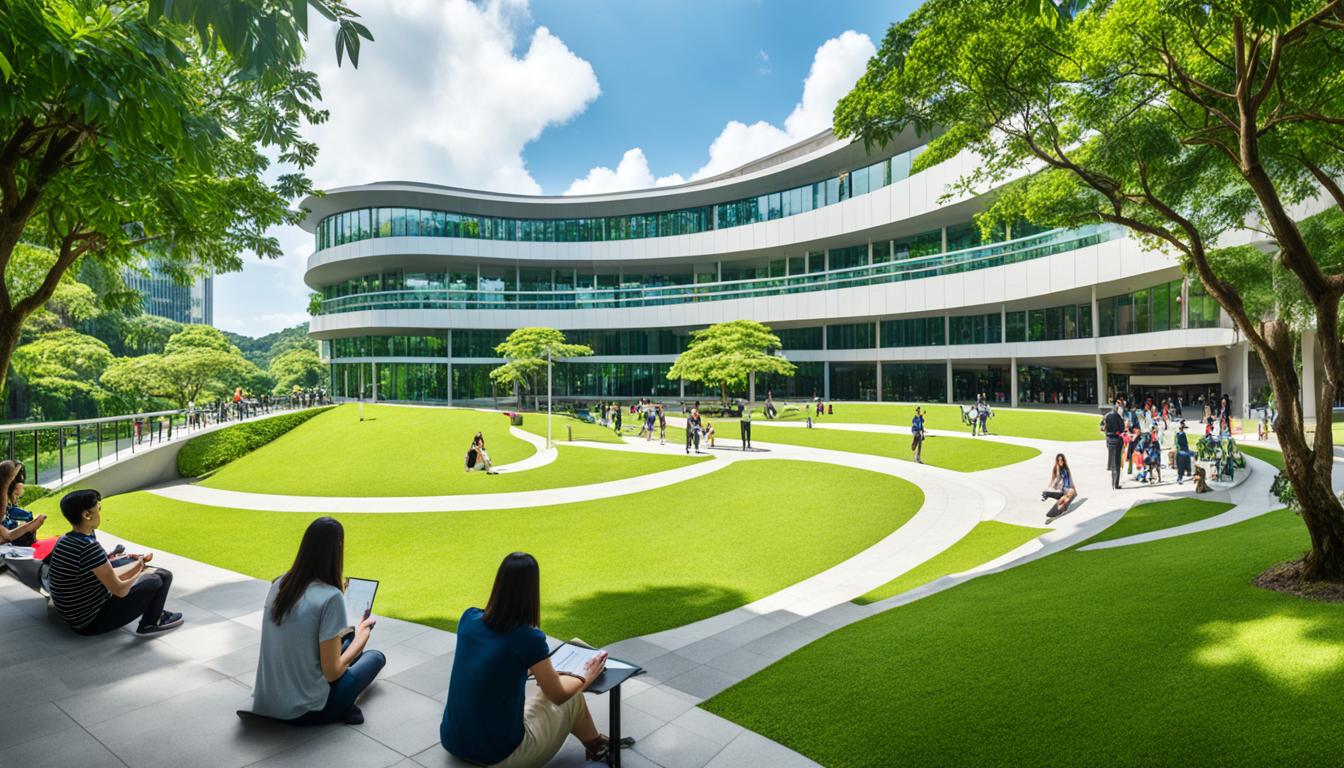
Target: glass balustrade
{"x":970,"y":259}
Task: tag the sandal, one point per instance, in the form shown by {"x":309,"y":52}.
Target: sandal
{"x":596,"y":751}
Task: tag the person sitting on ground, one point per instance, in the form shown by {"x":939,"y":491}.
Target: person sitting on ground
{"x":18,"y":526}
{"x":1061,"y":488}
{"x":477,"y":459}
{"x":90,"y":594}
{"x":488,"y":719}
{"x":311,"y":670}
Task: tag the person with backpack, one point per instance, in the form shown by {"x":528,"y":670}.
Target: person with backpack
{"x":917,"y":435}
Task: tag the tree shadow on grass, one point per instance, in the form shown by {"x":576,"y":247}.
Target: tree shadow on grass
{"x":606,"y":616}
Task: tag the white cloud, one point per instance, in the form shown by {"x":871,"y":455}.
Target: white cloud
{"x":449,"y":92}
{"x":836,"y":66}
{"x":631,"y":173}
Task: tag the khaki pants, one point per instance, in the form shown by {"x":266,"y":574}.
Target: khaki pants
{"x":545,"y":727}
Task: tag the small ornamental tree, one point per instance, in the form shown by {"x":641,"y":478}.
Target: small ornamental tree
{"x":1182,"y":121}
{"x":726,"y":354}
{"x":525,"y":351}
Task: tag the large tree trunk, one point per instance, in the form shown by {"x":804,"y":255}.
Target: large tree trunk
{"x":1309,"y":467}
{"x":11,"y":327}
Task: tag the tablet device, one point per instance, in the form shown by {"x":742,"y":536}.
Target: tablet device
{"x":359,"y":594}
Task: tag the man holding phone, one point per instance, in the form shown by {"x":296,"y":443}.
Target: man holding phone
{"x":90,"y":594}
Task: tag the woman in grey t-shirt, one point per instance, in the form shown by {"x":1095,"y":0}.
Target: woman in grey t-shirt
{"x":307,"y":674}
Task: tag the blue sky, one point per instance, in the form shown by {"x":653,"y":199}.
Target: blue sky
{"x":553,"y":97}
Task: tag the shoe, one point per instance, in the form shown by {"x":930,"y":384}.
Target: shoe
{"x":596,"y":750}
{"x":353,"y":716}
{"x":168,"y":621}
{"x":1054,"y":512}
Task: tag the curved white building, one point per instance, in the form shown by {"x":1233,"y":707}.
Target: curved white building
{"x":880,"y":287}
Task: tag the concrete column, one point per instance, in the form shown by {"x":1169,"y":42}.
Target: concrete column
{"x":949,"y":380}
{"x":944,"y":232}
{"x":1101,"y":381}
{"x":450,"y":366}
{"x":1012,"y":381}
{"x":1309,"y":375}
{"x":877,"y":345}
{"x":375,"y":381}
{"x":826,"y":380}
{"x":1003,"y":323}
{"x":1094,"y":313}
{"x":751,"y":387}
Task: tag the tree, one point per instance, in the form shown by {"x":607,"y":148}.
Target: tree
{"x":197,"y":363}
{"x":1179,"y":120}
{"x":152,"y":121}
{"x":61,"y":369}
{"x":525,"y":351}
{"x":726,"y":354}
{"x":148,"y":333}
{"x":296,"y":367}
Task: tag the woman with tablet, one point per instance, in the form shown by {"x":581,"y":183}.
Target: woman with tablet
{"x":488,"y":719}
{"x":308,"y":674}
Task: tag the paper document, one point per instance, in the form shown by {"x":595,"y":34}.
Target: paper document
{"x":569,"y":659}
{"x":359,"y":599}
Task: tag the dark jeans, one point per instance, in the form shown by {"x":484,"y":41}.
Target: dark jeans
{"x":746,"y":434}
{"x":145,"y":600}
{"x":358,"y":676}
{"x":1183,"y":464}
{"x":692,"y":438}
{"x":1113,"y":449}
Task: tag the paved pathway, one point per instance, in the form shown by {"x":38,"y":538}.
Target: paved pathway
{"x":119,"y":700}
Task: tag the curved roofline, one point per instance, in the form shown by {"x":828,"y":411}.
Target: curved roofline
{"x":814,"y":158}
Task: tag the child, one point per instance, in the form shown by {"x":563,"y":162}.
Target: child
{"x":1152,"y":457}
{"x":709,"y":433}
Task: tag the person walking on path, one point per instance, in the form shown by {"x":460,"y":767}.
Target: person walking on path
{"x":1183,"y":454}
{"x":1114,"y":427}
{"x":745,"y":425}
{"x":662,"y":425}
{"x":693,"y":430}
{"x":616,"y":416}
{"x":649,"y":419}
{"x":917,"y":435}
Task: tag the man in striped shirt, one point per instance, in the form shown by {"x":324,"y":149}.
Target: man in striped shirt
{"x":92,"y":596}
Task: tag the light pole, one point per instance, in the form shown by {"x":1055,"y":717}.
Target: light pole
{"x":548,"y":398}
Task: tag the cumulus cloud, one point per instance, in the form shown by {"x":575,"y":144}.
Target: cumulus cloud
{"x":836,"y":66}
{"x":631,"y":173}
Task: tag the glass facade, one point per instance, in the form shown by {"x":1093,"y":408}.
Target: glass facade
{"x":975,"y":329}
{"x":807,"y":381}
{"x":162,"y":296}
{"x":1157,"y":308}
{"x":969,"y":382}
{"x":853,"y":381}
{"x":913,"y":332}
{"x":914,"y":382}
{"x":1071,"y":321}
{"x":1050,"y":386}
{"x":851,"y":336}
{"x":365,"y":223}
{"x":799,"y":338}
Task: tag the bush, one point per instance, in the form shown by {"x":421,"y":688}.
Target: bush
{"x":32,"y":492}
{"x":215,"y":449}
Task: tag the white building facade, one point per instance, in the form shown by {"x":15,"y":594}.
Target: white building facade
{"x":879,"y":284}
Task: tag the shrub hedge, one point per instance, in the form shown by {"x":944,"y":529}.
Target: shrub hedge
{"x":215,"y":449}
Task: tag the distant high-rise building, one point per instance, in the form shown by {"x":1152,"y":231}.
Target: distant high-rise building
{"x":164,"y":297}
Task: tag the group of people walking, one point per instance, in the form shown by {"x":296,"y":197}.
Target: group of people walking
{"x":1141,"y":440}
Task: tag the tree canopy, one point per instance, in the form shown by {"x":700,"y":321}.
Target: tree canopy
{"x":61,"y":369}
{"x":149,"y":121}
{"x":197,"y":364}
{"x":525,"y":355}
{"x":726,"y":354}
{"x":1182,"y":121}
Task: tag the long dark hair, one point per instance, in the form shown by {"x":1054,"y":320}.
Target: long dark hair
{"x":11,"y":473}
{"x":321,"y":558}
{"x":1058,"y":458}
{"x":515,"y":600}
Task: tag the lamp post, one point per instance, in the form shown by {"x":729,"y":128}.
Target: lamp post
{"x":548,"y":398}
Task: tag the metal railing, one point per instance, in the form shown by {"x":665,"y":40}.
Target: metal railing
{"x":51,"y":451}
{"x":966,"y":260}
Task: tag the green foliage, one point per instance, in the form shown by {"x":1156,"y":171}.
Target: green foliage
{"x":213,"y":450}
{"x":725,"y":354}
{"x":61,"y":370}
{"x":175,"y":123}
{"x":525,"y":353}
{"x":198,"y":363}
{"x":298,"y":367}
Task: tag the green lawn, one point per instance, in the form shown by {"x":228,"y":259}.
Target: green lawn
{"x":1159,"y":515}
{"x":1013,"y":422}
{"x":985,"y":542}
{"x":1161,"y":654}
{"x":962,"y":454}
{"x":611,"y":568}
{"x":1268,"y":455}
{"x":563,"y":426}
{"x":395,"y":451}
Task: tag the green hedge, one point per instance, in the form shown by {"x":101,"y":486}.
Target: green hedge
{"x":215,"y":449}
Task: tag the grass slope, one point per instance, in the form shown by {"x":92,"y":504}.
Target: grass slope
{"x":611,"y":568}
{"x":962,"y":454}
{"x":1013,"y":422}
{"x":985,"y":542}
{"x":563,"y":426}
{"x":1161,"y":654}
{"x":1268,"y":455}
{"x":1159,"y":515}
{"x":395,"y":451}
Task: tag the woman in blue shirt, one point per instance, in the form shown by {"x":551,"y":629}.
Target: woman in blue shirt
{"x":1061,"y":487}
{"x":488,"y":719}
{"x":18,"y":526}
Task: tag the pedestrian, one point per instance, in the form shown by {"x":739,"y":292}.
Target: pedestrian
{"x":1183,"y":454}
{"x":745,"y":425}
{"x":693,"y":429}
{"x":662,"y":425}
{"x":917,"y":435}
{"x":1113,"y":425}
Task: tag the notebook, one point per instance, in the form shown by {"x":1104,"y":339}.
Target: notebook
{"x":568,"y":659}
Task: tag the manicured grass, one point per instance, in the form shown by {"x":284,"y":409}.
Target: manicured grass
{"x":962,"y":454}
{"x":1013,"y":422}
{"x":395,"y":451}
{"x":563,"y":426}
{"x":611,"y":568}
{"x":1267,"y":455}
{"x":1161,"y":654}
{"x":1158,"y":515}
{"x":985,"y":542}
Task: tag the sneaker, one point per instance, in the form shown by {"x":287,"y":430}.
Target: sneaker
{"x":168,"y":621}
{"x":353,"y":716}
